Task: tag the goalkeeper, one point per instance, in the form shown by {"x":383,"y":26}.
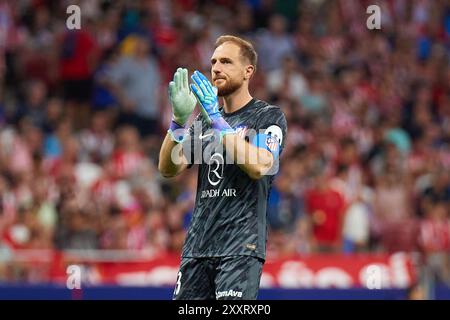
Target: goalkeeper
{"x":225,"y":247}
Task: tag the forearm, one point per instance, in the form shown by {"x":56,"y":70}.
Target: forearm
{"x":254,"y":161}
{"x":171,"y":158}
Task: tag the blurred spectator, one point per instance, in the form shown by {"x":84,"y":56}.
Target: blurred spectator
{"x":127,"y":156}
{"x":284,"y":208}
{"x":273,"y":44}
{"x":326,"y":209}
{"x":34,"y":105}
{"x":103,"y":89}
{"x":287,"y":82}
{"x":53,"y":141}
{"x":53,"y":115}
{"x":97,"y":141}
{"x":437,"y":192}
{"x":356,"y":224}
{"x":314,"y":100}
{"x":79,"y":231}
{"x":137,"y":82}
{"x":77,"y":61}
{"x":435,"y":241}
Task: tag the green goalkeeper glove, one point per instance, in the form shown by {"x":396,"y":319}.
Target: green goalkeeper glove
{"x":183,"y":103}
{"x":181,"y":98}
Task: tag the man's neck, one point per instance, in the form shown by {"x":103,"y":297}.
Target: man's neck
{"x":236,"y":100}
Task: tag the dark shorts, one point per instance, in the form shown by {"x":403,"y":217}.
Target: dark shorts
{"x":222,"y":278}
{"x":79,"y":91}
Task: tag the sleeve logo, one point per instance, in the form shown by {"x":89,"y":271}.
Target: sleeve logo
{"x":272,"y":143}
{"x":274,"y":137}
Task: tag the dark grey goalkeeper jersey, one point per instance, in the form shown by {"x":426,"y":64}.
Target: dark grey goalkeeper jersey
{"x":229,"y":217}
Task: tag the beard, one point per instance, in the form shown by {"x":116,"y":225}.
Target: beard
{"x":228,"y":87}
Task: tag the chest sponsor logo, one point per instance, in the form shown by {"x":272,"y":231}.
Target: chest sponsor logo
{"x":215,"y":169}
{"x":212,"y":193}
{"x":205,"y":135}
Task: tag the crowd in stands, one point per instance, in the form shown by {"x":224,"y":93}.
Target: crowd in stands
{"x":366,"y":167}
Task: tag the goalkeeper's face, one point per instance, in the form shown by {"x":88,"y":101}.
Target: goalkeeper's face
{"x":227,"y":69}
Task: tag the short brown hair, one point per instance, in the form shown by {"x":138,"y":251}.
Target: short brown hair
{"x":247,"y":50}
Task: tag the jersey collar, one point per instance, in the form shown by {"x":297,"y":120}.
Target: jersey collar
{"x":250,"y":103}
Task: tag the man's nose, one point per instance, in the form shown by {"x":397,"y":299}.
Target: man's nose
{"x":216,"y":69}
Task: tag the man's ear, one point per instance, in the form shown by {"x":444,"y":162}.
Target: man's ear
{"x":249,"y":71}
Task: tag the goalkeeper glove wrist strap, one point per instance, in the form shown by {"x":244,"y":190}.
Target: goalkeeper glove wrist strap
{"x":222,"y":126}
{"x":176,"y":131}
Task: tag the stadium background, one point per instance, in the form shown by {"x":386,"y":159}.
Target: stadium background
{"x":364,"y":186}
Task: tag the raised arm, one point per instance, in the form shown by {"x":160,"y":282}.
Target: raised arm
{"x":171,"y":158}
{"x":252,"y":158}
